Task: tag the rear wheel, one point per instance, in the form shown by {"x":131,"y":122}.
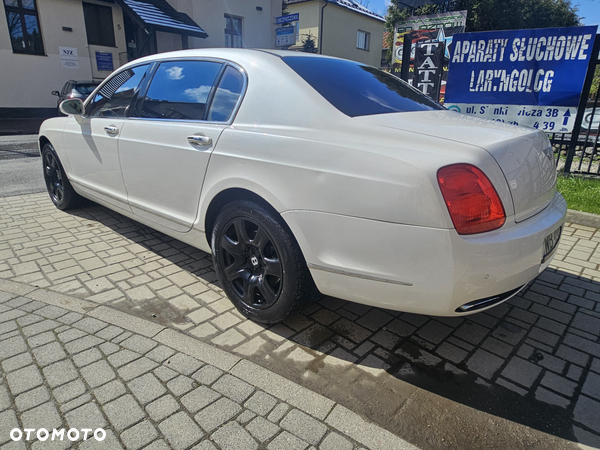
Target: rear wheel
{"x":61,"y":192}
{"x":259,"y":263}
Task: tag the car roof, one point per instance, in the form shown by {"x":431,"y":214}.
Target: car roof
{"x":240,"y":55}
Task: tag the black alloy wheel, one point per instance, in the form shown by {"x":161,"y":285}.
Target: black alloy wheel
{"x":54,"y":177}
{"x":251,"y":262}
{"x":61,"y":192}
{"x":259,"y":263}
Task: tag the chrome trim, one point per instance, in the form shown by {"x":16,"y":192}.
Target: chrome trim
{"x":489,"y":301}
{"x":356,"y":275}
{"x":199,"y":140}
{"x":181,"y":58}
{"x":199,"y":122}
{"x":161,"y":215}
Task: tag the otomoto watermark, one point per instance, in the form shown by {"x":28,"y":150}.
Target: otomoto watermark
{"x":72,"y":434}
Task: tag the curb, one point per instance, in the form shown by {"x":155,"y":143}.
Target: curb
{"x":331,"y":413}
{"x":583,"y":218}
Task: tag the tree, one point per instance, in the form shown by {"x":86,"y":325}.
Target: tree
{"x":488,"y":15}
{"x":595,"y":83}
{"x":309,"y":44}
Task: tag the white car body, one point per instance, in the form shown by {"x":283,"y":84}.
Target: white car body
{"x":360,"y":194}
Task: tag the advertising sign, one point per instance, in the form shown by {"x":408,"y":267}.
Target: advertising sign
{"x":429,"y":61}
{"x":524,"y":77}
{"x":442,"y":21}
{"x":433,"y":22}
{"x":287,"y":19}
{"x":285,"y":36}
{"x":69,"y":59}
{"x":104,"y":61}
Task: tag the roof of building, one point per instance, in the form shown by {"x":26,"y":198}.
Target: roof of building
{"x":160,"y":15}
{"x":349,"y":4}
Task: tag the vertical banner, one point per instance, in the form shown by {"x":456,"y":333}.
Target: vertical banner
{"x":523,"y":77}
{"x":429,"y":61}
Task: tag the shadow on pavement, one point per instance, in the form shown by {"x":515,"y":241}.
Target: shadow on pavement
{"x":532,"y":361}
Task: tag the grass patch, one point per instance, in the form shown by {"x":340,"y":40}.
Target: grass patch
{"x":582,"y":194}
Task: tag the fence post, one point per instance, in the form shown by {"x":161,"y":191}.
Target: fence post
{"x":406,"y":51}
{"x":587,"y":84}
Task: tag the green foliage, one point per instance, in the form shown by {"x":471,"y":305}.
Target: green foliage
{"x":487,"y":15}
{"x":284,"y":10}
{"x":582,"y":194}
{"x":595,"y":83}
{"x":309,"y":44}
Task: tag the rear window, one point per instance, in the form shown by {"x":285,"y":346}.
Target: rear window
{"x":85,"y":89}
{"x":357,"y":89}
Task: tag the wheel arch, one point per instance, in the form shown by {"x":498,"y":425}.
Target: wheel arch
{"x":226,"y":196}
{"x":43,"y":140}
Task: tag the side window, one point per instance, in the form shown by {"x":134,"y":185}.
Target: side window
{"x":226,"y":96}
{"x":180,"y":90}
{"x":113,"y":99}
{"x":66,"y":89}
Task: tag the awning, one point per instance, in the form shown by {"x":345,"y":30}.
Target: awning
{"x":160,"y":16}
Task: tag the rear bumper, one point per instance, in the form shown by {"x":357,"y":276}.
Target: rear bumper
{"x":421,"y":270}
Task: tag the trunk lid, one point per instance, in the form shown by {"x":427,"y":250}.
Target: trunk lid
{"x":524,"y":154}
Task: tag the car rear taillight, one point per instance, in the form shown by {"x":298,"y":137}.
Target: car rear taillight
{"x":472,"y":201}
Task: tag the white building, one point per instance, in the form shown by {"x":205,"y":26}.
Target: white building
{"x":44,"y":43}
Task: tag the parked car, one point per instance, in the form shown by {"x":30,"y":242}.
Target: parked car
{"x":305,"y":174}
{"x":75,"y":89}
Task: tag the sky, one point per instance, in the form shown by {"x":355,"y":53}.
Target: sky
{"x":588,"y":9}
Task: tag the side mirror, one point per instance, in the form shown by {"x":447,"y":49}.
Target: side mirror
{"x":72,"y":107}
{"x":55,"y":93}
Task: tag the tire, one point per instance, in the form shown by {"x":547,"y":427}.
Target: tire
{"x":259,"y":263}
{"x":59,"y":188}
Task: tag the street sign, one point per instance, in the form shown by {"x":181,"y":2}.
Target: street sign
{"x":287,"y":19}
{"x":285,"y":36}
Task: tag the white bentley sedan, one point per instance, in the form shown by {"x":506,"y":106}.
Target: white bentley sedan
{"x":305,"y":174}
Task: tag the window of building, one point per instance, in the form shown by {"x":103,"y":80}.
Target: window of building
{"x":24,"y":26}
{"x":115,"y":96}
{"x":362,"y":40}
{"x":233,"y":31}
{"x":180,"y":90}
{"x":99,"y":25}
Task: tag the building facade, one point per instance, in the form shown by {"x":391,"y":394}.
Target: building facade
{"x":341,"y":28}
{"x":44,"y":43}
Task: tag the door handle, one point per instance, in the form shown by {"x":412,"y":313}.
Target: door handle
{"x":199,"y":140}
{"x":111,"y":130}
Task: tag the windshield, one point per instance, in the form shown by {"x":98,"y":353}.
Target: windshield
{"x":357,"y":89}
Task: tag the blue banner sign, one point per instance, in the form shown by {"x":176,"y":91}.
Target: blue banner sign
{"x":286,"y":19}
{"x":521,"y":67}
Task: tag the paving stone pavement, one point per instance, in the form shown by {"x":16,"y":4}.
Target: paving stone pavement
{"x":533,"y":361}
{"x":62,"y":369}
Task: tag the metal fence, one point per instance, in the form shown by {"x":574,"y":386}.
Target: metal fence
{"x":579,"y":152}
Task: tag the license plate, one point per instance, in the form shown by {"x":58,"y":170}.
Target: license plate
{"x":550,"y":243}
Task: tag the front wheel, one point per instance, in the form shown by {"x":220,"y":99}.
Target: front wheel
{"x":259,"y":263}
{"x":61,"y":192}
